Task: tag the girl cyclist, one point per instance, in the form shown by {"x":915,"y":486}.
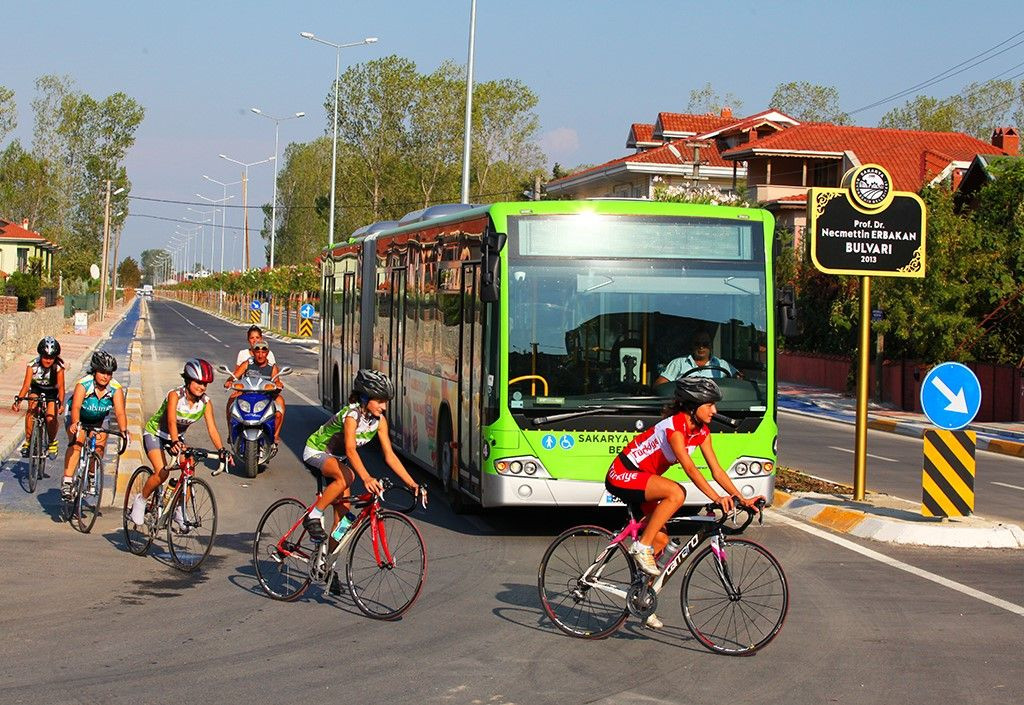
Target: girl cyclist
{"x":635,"y":476}
{"x":332,"y":449}
{"x":94,"y":397}
{"x":44,"y":375}
{"x":183,"y":406}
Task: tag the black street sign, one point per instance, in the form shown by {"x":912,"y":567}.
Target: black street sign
{"x":867,"y":229}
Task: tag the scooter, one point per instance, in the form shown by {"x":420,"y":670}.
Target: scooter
{"x":251,"y":432}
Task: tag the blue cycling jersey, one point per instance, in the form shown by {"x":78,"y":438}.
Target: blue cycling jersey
{"x":95,"y":408}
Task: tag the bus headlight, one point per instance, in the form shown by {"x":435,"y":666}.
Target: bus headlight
{"x":523,"y":465}
{"x":516,"y":467}
{"x":741,"y":468}
{"x":755,"y":467}
{"x":530,"y":468}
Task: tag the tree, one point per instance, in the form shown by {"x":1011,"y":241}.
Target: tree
{"x":128,"y":273}
{"x":303,"y":203}
{"x":436,"y":132}
{"x":975,"y":111}
{"x":8,"y":112}
{"x":504,"y":154}
{"x":809,"y":102}
{"x":153,"y":262}
{"x":707,"y":100}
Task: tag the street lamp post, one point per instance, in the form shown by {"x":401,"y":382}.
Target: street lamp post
{"x":106,"y":249}
{"x":334,"y":148}
{"x":273,"y":208}
{"x":245,"y":196}
{"x":202,"y":235}
{"x":223,"y":214}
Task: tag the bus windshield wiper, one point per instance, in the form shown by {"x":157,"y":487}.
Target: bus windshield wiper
{"x":541,"y":420}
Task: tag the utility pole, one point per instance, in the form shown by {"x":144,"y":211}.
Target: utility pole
{"x":106,"y":246}
{"x":113,"y":280}
{"x":245,"y":213}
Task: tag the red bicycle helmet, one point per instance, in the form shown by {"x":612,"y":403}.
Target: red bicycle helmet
{"x":199,"y":370}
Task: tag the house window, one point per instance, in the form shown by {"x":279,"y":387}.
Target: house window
{"x":22,"y":259}
{"x":825,"y":174}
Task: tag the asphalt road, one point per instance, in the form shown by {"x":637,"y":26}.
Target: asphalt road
{"x":825,"y":449}
{"x":85,"y":621}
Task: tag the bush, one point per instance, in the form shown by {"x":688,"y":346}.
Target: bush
{"x":26,"y":287}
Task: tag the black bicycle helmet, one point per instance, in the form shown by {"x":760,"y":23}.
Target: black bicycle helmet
{"x":695,"y":391}
{"x":102,"y":361}
{"x":48,"y":347}
{"x":373,"y":384}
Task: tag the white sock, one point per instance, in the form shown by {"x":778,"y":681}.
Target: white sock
{"x":315,"y":513}
{"x":65,"y":481}
{"x":640,"y":547}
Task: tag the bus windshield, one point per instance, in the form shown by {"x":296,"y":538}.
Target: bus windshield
{"x":608,"y":310}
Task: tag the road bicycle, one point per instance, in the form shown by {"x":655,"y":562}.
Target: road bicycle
{"x":385,"y":563}
{"x":83,"y":500}
{"x":185,"y":507}
{"x":734,"y":593}
{"x":37,"y":443}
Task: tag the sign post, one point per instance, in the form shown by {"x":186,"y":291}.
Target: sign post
{"x":866,"y":229}
{"x":950,"y":398}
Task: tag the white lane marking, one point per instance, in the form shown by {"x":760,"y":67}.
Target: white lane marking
{"x":194,"y":325}
{"x":1,"y":487}
{"x":1012,"y":487}
{"x":870,"y":455}
{"x":149,"y":324}
{"x":303,"y":397}
{"x":906,"y":567}
{"x":152,"y":352}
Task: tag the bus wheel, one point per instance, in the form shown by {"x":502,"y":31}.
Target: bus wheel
{"x":447,"y":469}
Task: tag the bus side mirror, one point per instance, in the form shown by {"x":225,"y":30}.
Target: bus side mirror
{"x":490,"y":260}
{"x":785,"y":312}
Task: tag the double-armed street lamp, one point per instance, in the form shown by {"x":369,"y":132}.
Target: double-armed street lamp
{"x":202,"y":234}
{"x":245,"y":197}
{"x":273,"y":210}
{"x":223,"y":213}
{"x":334,"y":148}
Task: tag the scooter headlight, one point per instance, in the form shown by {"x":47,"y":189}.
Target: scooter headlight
{"x":244,"y":406}
{"x":260,"y":406}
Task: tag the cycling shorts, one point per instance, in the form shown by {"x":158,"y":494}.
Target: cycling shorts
{"x":151,"y":441}
{"x":629,"y":486}
{"x":35,"y":390}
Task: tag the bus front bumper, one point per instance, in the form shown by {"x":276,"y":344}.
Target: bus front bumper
{"x":522,"y":491}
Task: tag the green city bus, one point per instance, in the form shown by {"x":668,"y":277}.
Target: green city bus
{"x":526,"y":340}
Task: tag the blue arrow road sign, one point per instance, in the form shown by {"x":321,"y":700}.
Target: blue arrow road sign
{"x":951,"y":395}
{"x":255,"y":305}
{"x":306,"y":310}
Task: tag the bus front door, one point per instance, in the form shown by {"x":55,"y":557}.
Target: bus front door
{"x":349,"y":362}
{"x":469,"y":375}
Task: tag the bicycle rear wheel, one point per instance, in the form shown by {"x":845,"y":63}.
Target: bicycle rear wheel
{"x":283,"y":577}
{"x":385,"y":575}
{"x":192,"y":526}
{"x":736,"y":621}
{"x":587,"y":611}
{"x":36,"y":455}
{"x":88,"y":490}
{"x":138,"y":538}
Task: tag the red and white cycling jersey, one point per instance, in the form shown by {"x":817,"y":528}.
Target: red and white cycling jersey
{"x":650,"y":451}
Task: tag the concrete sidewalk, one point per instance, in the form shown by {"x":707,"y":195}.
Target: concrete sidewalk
{"x":998,"y":437}
{"x":882,"y":517}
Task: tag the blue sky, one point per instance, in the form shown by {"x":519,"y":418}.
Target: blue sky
{"x":596,"y":65}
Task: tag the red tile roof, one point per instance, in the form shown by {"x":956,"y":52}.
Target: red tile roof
{"x":913,"y":157}
{"x":642,"y":133}
{"x":15,"y":231}
{"x":709,"y":156}
{"x":696,"y":124}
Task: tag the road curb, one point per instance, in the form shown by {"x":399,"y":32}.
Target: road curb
{"x":124,"y":465}
{"x":898,"y":522}
{"x":914,"y":430}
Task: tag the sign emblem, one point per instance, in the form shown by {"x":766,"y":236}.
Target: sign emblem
{"x":566,"y":441}
{"x":871,"y":186}
{"x":548,"y":441}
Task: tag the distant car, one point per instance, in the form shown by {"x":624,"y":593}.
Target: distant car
{"x":147,"y":291}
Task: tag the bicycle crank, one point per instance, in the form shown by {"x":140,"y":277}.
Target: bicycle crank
{"x":318,"y":565}
{"x":641,"y":601}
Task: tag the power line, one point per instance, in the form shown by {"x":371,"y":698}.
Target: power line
{"x":948,"y":73}
{"x":346,"y":204}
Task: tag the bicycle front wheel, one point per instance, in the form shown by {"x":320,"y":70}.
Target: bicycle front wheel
{"x":88,"y":490}
{"x":137,"y":537}
{"x":282,"y":550}
{"x":36,"y":455}
{"x":591,"y":609}
{"x":386,"y":571}
{"x":740,"y":608}
{"x":192,"y":526}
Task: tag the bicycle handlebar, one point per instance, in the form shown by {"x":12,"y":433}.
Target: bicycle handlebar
{"x":387,"y":485}
{"x":751,"y":513}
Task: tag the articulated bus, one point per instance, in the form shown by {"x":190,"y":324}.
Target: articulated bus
{"x":526,"y":340}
